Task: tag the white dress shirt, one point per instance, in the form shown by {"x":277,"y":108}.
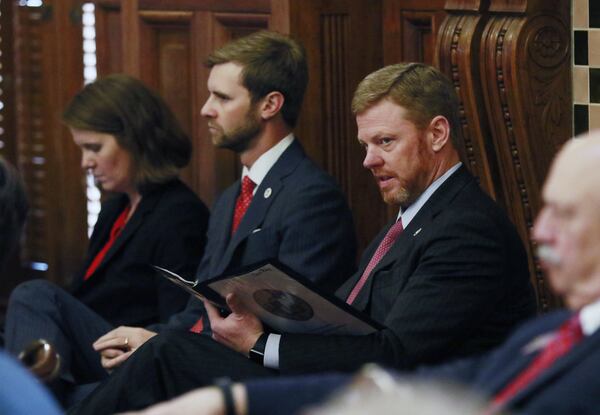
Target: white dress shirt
{"x":263,"y":164}
{"x":589,"y":316}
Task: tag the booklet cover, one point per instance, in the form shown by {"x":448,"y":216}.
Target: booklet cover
{"x":281,"y":299}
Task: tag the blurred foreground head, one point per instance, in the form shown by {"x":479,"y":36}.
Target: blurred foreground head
{"x":567,"y":229}
{"x":376,"y":391}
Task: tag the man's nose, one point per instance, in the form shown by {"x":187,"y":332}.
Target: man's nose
{"x":87,"y":161}
{"x":372,"y":159}
{"x":207,"y":109}
{"x":543,"y":227}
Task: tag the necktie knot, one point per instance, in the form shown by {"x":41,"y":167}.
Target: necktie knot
{"x":247,"y":187}
{"x":572,"y":328}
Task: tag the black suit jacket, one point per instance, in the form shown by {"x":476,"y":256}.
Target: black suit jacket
{"x":168,"y":229}
{"x":569,"y":386}
{"x":453,"y":284}
{"x":298,"y":215}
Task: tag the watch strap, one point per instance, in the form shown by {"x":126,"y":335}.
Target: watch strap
{"x":257,"y":352}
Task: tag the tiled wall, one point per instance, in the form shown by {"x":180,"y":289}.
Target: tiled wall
{"x":586,"y":65}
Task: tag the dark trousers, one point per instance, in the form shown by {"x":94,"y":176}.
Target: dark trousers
{"x":39,"y":309}
{"x":166,"y":366}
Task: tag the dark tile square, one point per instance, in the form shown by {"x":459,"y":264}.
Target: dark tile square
{"x":594,"y":13}
{"x":581,"y":119}
{"x":595,"y":85}
{"x":581,"y":47}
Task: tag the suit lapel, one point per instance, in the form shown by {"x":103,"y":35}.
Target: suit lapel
{"x":145,"y":207}
{"x":222,"y":229}
{"x":264,"y":196}
{"x":584,"y":349}
{"x":520,"y":358}
{"x":421,"y":222}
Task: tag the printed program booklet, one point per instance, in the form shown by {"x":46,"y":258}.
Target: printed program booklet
{"x":281,"y":299}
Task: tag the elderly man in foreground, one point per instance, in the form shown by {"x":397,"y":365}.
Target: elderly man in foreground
{"x":548,"y":366}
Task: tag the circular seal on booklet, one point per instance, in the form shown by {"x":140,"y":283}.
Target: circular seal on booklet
{"x":283,"y":304}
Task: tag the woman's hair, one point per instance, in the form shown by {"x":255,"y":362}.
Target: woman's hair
{"x":141,"y":122}
{"x":13,"y":209}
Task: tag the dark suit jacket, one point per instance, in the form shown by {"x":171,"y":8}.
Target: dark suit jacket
{"x":570,"y":386}
{"x":168,"y":229}
{"x":454,"y":283}
{"x":297,"y":215}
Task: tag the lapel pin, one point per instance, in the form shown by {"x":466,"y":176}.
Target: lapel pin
{"x":267,"y":193}
{"x":538,"y":343}
{"x":417,"y":232}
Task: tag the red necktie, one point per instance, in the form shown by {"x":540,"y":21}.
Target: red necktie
{"x":385,"y":245}
{"x":242,"y":202}
{"x":241,"y":206}
{"x":568,"y":335}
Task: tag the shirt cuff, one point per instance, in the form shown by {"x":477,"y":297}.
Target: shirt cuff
{"x":272,"y":351}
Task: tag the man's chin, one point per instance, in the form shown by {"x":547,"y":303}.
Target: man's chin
{"x":395,"y":197}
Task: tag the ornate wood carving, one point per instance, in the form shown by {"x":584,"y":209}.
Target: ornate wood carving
{"x":526,"y":68}
{"x":509,"y":61}
{"x":457,"y":56}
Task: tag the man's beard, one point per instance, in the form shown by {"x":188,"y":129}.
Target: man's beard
{"x":240,"y":138}
{"x":397,"y":197}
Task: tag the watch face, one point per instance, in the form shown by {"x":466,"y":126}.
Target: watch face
{"x":283,"y":304}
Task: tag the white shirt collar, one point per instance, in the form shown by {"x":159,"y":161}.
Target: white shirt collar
{"x":589,"y":316}
{"x":266,"y":161}
{"x":413,"y":209}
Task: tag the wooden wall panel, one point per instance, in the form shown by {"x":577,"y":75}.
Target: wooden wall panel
{"x":343,"y":43}
{"x":108,"y":31}
{"x":165,"y":63}
{"x":411,"y":29}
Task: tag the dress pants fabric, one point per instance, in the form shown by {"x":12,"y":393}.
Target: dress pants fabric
{"x":40,"y":309}
{"x":167,"y":366}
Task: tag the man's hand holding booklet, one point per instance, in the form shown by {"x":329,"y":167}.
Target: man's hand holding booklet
{"x":281,"y":299}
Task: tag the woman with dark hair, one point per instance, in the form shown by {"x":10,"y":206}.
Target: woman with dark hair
{"x":134,"y":147}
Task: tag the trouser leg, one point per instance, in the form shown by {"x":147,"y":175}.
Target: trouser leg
{"x":167,"y":366}
{"x":40,"y":309}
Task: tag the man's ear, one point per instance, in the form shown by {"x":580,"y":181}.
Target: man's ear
{"x":438,"y":132}
{"x":271,"y":105}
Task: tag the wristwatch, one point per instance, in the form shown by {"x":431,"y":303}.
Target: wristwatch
{"x":257,"y":352}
